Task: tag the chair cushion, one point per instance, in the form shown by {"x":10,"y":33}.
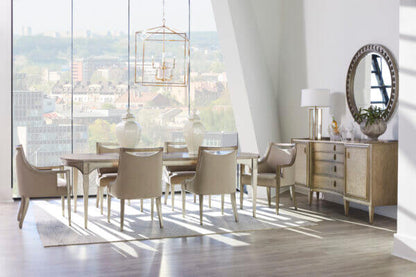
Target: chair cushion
{"x":181,"y":176}
{"x":263,"y":179}
{"x":106,"y":179}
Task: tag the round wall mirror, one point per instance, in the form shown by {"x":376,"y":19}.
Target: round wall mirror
{"x":372,"y":80}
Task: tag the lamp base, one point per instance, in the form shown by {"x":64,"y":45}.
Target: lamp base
{"x":315,"y":123}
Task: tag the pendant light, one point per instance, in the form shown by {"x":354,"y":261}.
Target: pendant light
{"x":128,"y":131}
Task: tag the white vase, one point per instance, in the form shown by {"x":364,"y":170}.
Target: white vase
{"x":128,"y":131}
{"x":194,"y":132}
{"x":373,"y":131}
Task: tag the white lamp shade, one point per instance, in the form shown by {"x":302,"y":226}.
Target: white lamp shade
{"x":317,"y":97}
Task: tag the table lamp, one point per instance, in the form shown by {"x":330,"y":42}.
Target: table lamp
{"x":315,"y":100}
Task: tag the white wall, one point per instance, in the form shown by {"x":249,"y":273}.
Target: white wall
{"x":5,"y":107}
{"x":321,"y":37}
{"x":251,"y":67}
{"x":405,"y":238}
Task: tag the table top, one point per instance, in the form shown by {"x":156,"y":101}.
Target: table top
{"x":111,"y":157}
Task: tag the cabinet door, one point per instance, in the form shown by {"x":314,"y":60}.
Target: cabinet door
{"x":302,"y":164}
{"x":356,"y":172}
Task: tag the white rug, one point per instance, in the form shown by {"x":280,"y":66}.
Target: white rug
{"x":54,"y":230}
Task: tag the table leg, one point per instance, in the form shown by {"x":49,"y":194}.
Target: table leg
{"x":75,"y":187}
{"x":254,"y":184}
{"x":86,"y":179}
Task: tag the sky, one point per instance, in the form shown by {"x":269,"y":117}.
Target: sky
{"x":101,"y":16}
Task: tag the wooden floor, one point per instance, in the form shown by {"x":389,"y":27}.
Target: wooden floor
{"x":335,"y":246}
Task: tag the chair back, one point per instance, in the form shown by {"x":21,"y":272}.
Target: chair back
{"x":103,"y":148}
{"x":31,"y":182}
{"x":216,"y":170}
{"x":278,"y":154}
{"x":139,"y":173}
{"x":170,"y":147}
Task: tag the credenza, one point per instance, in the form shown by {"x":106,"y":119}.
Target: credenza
{"x":364,"y":172}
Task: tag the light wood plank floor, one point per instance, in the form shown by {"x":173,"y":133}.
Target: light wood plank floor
{"x":336,"y":246}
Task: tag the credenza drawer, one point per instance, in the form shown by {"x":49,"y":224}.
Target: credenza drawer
{"x":329,"y":168}
{"x":333,"y":157}
{"x":328,"y":147}
{"x":328,"y":183}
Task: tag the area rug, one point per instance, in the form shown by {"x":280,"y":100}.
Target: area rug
{"x":54,"y":230}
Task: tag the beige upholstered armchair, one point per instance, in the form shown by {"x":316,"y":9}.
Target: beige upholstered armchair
{"x":177,"y":174}
{"x":40,"y":182}
{"x":216,"y":172}
{"x":275,"y":170}
{"x":105,"y":175}
{"x":139,"y":177}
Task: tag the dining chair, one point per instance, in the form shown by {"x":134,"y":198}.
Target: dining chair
{"x":105,"y":175}
{"x":178,"y":173}
{"x":139,"y":177}
{"x":215,"y":174}
{"x":40,"y":182}
{"x":275,"y":170}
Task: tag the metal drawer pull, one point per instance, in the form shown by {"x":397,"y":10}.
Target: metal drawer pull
{"x":335,"y":156}
{"x":335,"y":168}
{"x":335,"y":147}
{"x":348,"y":155}
{"x":335,"y":184}
{"x":304,"y":150}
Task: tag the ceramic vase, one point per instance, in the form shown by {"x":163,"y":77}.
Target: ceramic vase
{"x":373,"y":131}
{"x":128,"y":131}
{"x":194,"y":132}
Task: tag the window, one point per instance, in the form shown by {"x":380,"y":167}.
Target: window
{"x":44,"y":95}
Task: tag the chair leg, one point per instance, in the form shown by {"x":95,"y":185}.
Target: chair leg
{"x":101,"y":198}
{"x":108,"y":206}
{"x":68,"y":198}
{"x":183,"y":192}
{"x":241,"y":195}
{"x":141,"y":205}
{"x":201,"y":206}
{"x":269,"y":197}
{"x":172,"y":194}
{"x":151,"y":208}
{"x":122,"y":202}
{"x":63,"y":205}
{"x":166,"y":193}
{"x":209,"y":200}
{"x":22,"y":218}
{"x":97,"y":199}
{"x":159,"y":211}
{"x":222,"y":204}
{"x":128,"y":202}
{"x":194,"y":198}
{"x":277,"y":198}
{"x":234,"y":204}
{"x":293,"y":193}
{"x":22,"y":204}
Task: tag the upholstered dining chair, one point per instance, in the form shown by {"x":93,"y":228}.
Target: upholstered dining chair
{"x":275,"y":170}
{"x":40,"y":182}
{"x":215,"y":174}
{"x":105,"y":175}
{"x":139,"y":177}
{"x":177,"y":174}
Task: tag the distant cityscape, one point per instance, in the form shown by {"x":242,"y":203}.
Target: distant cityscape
{"x":42,"y":93}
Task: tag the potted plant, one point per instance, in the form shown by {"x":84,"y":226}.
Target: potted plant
{"x":372,"y":122}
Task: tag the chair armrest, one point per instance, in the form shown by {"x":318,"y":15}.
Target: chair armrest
{"x":48,"y":167}
{"x":286,"y":174}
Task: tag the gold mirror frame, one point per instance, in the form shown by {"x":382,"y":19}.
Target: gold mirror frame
{"x":391,"y":62}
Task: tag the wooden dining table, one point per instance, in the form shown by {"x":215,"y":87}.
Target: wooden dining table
{"x":88,"y":162}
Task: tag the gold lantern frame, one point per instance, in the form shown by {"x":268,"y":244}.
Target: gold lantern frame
{"x":153,"y":35}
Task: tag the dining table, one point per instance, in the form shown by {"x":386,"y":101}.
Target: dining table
{"x":88,"y":162}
